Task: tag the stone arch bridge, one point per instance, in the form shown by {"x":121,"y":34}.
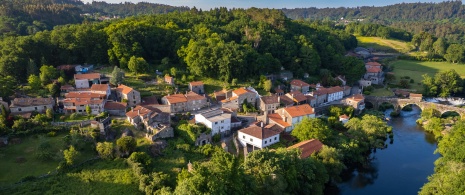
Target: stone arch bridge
{"x":400,"y":103}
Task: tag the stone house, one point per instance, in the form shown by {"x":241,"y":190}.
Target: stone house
{"x":240,"y":95}
{"x":101,"y":88}
{"x":297,"y":97}
{"x":197,"y":87}
{"x":116,"y":108}
{"x":357,"y":101}
{"x":86,"y":80}
{"x":103,"y":125}
{"x":177,"y":102}
{"x":311,"y":100}
{"x":286,"y":101}
{"x":29,"y":105}
{"x":153,"y":121}
{"x":129,"y":94}
{"x":346,"y":90}
{"x":77,"y":102}
{"x":299,"y":85}
{"x":195,"y":101}
{"x":269,"y":104}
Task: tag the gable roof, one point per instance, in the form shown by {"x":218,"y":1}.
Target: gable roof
{"x":87,"y":76}
{"x":286,"y":100}
{"x":124,"y":89}
{"x":344,"y":116}
{"x":190,"y":96}
{"x":241,"y":91}
{"x":78,"y":94}
{"x":99,"y":87}
{"x":115,"y":106}
{"x":308,"y":147}
{"x":259,"y":132}
{"x":278,"y":90}
{"x":373,"y":64}
{"x":141,"y":110}
{"x":300,"y":83}
{"x":373,"y":70}
{"x":357,"y":98}
{"x":22,"y":102}
{"x":334,"y":89}
{"x":270,"y":99}
{"x":300,"y":110}
{"x":196,"y":83}
{"x":275,"y":117}
{"x":176,"y":98}
{"x":297,"y":95}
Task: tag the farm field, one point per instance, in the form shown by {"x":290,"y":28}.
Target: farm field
{"x":415,"y":70}
{"x":388,"y":45}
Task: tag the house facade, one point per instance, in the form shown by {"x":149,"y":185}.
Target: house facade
{"x":258,"y":136}
{"x":153,"y":121}
{"x":269,"y":104}
{"x":169,"y":80}
{"x":299,"y":85}
{"x":25,"y":105}
{"x":218,"y":121}
{"x":129,"y":94}
{"x":357,"y":101}
{"x":77,"y":102}
{"x":86,"y":80}
{"x":195,"y":101}
{"x":101,"y":88}
{"x":177,"y":102}
{"x":197,"y":87}
{"x":116,"y":108}
{"x":239,"y":96}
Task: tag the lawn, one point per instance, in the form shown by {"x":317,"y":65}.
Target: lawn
{"x":415,"y":70}
{"x":382,"y":92}
{"x":18,"y":160}
{"x":389,"y":45}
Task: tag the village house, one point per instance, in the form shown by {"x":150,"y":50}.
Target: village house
{"x":288,"y":117}
{"x":66,"y":88}
{"x":116,"y":108}
{"x":125,"y":93}
{"x":299,"y":85}
{"x":286,"y":101}
{"x":29,"y":105}
{"x":77,"y":102}
{"x":357,"y":101}
{"x":311,"y":100}
{"x":101,"y":89}
{"x":342,"y":79}
{"x":269,"y":104}
{"x":278,"y":91}
{"x":240,"y":95}
{"x":222,"y":95}
{"x":297,"y":97}
{"x":335,"y":93}
{"x":195,"y":101}
{"x":217,"y":120}
{"x":103,"y":125}
{"x":324,"y":95}
{"x":86,"y":80}
{"x":344,"y":119}
{"x":258,"y":136}
{"x":374,"y":74}
{"x":346,"y":90}
{"x":169,"y":80}
{"x":308,"y":147}
{"x":153,"y":121}
{"x":197,"y":87}
{"x":177,"y":102}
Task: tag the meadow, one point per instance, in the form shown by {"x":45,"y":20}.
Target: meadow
{"x":387,"y":45}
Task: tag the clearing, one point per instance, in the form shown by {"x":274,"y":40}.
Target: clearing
{"x":387,"y":45}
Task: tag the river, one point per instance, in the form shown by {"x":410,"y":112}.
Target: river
{"x":401,"y":168}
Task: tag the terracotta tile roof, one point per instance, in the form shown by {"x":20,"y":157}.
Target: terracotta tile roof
{"x":308,"y":147}
{"x":241,"y":91}
{"x":286,"y":100}
{"x":344,"y":116}
{"x":115,"y":106}
{"x":67,"y":87}
{"x":300,"y":110}
{"x":78,"y":94}
{"x":310,"y":98}
{"x":229,"y":99}
{"x":334,"y":89}
{"x":196,"y":83}
{"x":277,"y":90}
{"x":416,"y":95}
{"x":270,"y":99}
{"x":298,"y":96}
{"x":87,"y":76}
{"x":124,"y":89}
{"x":321,"y":91}
{"x":259,"y":132}
{"x":357,"y":98}
{"x":23,"y":102}
{"x":191,"y":96}
{"x":373,"y":70}
{"x":275,"y":127}
{"x":373,"y":64}
{"x":140,"y":110}
{"x":168,"y":77}
{"x":83,"y":101}
{"x":99,"y":87}
{"x":300,"y":83}
{"x":152,"y":100}
{"x":275,"y":117}
{"x":176,"y":98}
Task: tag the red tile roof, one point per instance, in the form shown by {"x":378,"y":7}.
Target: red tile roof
{"x":286,"y":100}
{"x":373,"y":70}
{"x":176,"y":98}
{"x":277,"y":90}
{"x":334,"y":89}
{"x":357,"y":98}
{"x":99,"y":87}
{"x":308,"y":147}
{"x":259,"y":132}
{"x":191,"y":96}
{"x":270,"y":99}
{"x":275,"y":117}
{"x":87,"y":76}
{"x":124,"y":89}
{"x":241,"y":91}
{"x":141,"y":110}
{"x":115,"y":106}
{"x":300,"y":83}
{"x":298,"y":96}
{"x":344,"y":116}
{"x":83,"y":101}
{"x":300,"y":110}
{"x":373,"y":64}
{"x":78,"y":94}
{"x":67,"y":87}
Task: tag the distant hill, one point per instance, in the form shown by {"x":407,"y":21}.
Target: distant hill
{"x":128,"y":9}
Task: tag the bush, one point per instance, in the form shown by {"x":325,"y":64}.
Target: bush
{"x":51,"y":134}
{"x":407,"y":108}
{"x":216,"y":138}
{"x":412,"y":81}
{"x":366,"y":93}
{"x":73,"y":116}
{"x":394,"y":114}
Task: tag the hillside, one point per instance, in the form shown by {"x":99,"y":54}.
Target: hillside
{"x":386,"y":45}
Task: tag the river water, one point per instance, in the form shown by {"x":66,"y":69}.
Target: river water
{"x":401,"y":168}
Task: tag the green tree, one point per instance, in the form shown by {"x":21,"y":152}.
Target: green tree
{"x":34,"y":82}
{"x":173,"y":71}
{"x":335,"y":111}
{"x":116,"y":76}
{"x":47,"y":73}
{"x":61,"y":80}
{"x":311,"y":128}
{"x":88,"y":110}
{"x":54,"y":89}
{"x":448,"y":82}
{"x":7,"y":86}
{"x":105,"y":150}
{"x":137,"y":64}
{"x":126,"y":145}
{"x":234,"y":82}
{"x":70,"y":155}
{"x":371,"y":130}
{"x":455,"y":53}
{"x":429,"y":86}
{"x":32,"y":68}
{"x":439,"y":46}
{"x":267,"y":85}
{"x":435,"y":126}
{"x":332,"y":159}
{"x":49,"y":113}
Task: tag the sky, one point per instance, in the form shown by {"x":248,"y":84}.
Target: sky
{"x":207,"y":4}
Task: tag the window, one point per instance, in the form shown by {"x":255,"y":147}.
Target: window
{"x":265,"y":142}
{"x":134,"y":102}
{"x":243,"y":137}
{"x":216,"y":123}
{"x":275,"y":138}
{"x":35,"y":108}
{"x":251,"y":139}
{"x":19,"y":109}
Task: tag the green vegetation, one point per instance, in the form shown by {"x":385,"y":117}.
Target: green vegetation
{"x":382,"y":44}
{"x":382,"y":92}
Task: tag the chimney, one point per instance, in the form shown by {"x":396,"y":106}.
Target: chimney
{"x":284,"y":118}
{"x":261,"y":124}
{"x":132,"y":109}
{"x":138,"y":112}
{"x":279,"y":99}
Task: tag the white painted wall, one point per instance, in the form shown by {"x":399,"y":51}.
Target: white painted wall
{"x":81,"y":83}
{"x":217,"y":126}
{"x":259,"y":143}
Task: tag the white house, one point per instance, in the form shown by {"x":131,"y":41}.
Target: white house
{"x":216,"y":120}
{"x":344,"y":119}
{"x":258,"y":136}
{"x":86,"y":80}
{"x":335,"y":93}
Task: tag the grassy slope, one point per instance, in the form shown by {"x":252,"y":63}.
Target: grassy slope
{"x":415,"y":70}
{"x":384,"y":44}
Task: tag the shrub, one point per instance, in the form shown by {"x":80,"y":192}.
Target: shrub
{"x":51,"y":134}
{"x":366,"y":93}
{"x":412,"y":81}
{"x":394,"y":114}
{"x":216,"y":138}
{"x":73,"y":116}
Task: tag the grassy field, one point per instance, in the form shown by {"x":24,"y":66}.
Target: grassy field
{"x":415,"y":70}
{"x":382,"y":92}
{"x":388,"y":45}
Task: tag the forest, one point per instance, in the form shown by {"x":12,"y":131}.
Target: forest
{"x":221,"y":44}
